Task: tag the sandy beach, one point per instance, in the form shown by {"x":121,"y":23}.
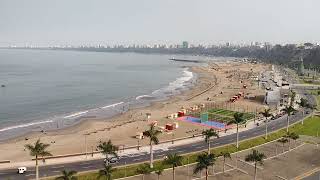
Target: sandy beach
{"x":216,"y":82}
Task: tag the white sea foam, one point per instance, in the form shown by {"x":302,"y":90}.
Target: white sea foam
{"x":76,"y":114}
{"x":143,"y":96}
{"x":112,"y":105}
{"x":25,"y":125}
{"x":179,"y":82}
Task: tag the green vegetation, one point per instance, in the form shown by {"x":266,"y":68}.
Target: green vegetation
{"x":255,"y":157}
{"x":224,"y":115}
{"x":204,"y":161}
{"x":38,"y":149}
{"x":311,"y":127}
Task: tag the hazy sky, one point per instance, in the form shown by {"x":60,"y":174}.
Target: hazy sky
{"x":45,"y":22}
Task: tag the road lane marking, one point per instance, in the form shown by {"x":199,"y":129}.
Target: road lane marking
{"x":56,"y":167}
{"x":30,"y":175}
{"x":87,"y":167}
{"x":180,"y":151}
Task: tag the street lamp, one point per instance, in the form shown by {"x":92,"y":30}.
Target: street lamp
{"x":85,"y":143}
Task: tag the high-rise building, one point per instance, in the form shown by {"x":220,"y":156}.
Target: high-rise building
{"x":185,"y":44}
{"x":301,"y":67}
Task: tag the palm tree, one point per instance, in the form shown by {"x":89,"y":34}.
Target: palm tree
{"x":255,"y":157}
{"x":152,"y":134}
{"x":294,"y":137}
{"x":107,"y":148}
{"x":283,"y":140}
{"x":225,"y":156}
{"x":238,"y":119}
{"x":67,"y":175}
{"x":208,"y":134}
{"x":303,"y":104}
{"x":266,"y":113}
{"x":38,"y":149}
{"x":288,"y":110}
{"x":174,"y":160}
{"x":292,"y":97}
{"x":144,"y":169}
{"x":159,"y":171}
{"x":106,"y":172}
{"x":203,"y":162}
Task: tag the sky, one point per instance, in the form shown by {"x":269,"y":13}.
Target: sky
{"x":50,"y":22}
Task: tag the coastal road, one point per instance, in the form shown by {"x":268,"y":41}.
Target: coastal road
{"x":314,"y":176}
{"x":52,"y":170}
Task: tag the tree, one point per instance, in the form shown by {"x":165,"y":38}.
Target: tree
{"x":266,"y":113}
{"x":174,"y":160}
{"x":283,"y":140}
{"x":293,"y":95}
{"x":294,"y":137}
{"x":67,"y":175}
{"x":106,"y":172}
{"x":288,"y":110}
{"x":312,"y":107}
{"x":38,"y":149}
{"x":225,"y":155}
{"x":144,"y":169}
{"x":203,"y":162}
{"x":159,"y":171}
{"x":152,"y":134}
{"x":255,"y":157}
{"x":107,"y":148}
{"x":303,"y":104}
{"x":208,"y":134}
{"x":238,"y":119}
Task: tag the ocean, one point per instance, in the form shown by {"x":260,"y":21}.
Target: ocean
{"x":51,"y":89}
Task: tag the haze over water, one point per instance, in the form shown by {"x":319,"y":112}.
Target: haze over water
{"x":55,"y":88}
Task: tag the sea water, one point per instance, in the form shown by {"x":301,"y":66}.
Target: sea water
{"x":51,"y":89}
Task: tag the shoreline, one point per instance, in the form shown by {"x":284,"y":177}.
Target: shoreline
{"x":85,"y":121}
{"x":122,"y":129}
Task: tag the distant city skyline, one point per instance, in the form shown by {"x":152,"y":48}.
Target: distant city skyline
{"x":79,"y":22}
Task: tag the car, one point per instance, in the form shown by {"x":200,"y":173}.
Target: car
{"x":22,"y":170}
{"x":112,"y":160}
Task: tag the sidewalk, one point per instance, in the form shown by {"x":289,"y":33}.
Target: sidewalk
{"x":145,"y":149}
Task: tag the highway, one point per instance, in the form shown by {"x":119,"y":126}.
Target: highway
{"x":52,"y":170}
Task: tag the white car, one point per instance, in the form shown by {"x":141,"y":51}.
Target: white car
{"x":22,"y":170}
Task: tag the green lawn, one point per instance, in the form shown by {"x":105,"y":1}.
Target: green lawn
{"x":311,"y":127}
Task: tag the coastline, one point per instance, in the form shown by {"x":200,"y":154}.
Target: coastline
{"x":83,"y":122}
{"x":122,"y":129}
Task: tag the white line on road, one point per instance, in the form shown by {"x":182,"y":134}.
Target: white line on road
{"x":87,"y":167}
{"x":199,"y":147}
{"x":215,"y":143}
{"x":180,"y":151}
{"x":56,"y":167}
{"x":30,"y":175}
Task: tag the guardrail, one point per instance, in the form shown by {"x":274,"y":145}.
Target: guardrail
{"x":4,"y":161}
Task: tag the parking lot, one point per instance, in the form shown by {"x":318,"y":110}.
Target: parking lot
{"x":301,"y":158}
